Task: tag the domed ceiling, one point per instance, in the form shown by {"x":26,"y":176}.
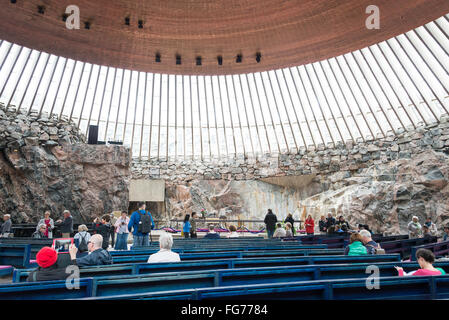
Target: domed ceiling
{"x":285,"y":32}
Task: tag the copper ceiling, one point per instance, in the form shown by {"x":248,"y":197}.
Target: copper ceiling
{"x":286,"y":32}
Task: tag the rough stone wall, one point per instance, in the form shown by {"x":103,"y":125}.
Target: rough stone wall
{"x":44,"y":165}
{"x":359,"y":180}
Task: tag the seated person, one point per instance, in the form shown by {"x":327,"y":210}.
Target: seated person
{"x":165,"y":254}
{"x":288,"y":230}
{"x":97,"y":255}
{"x":40,"y":232}
{"x":425,"y":258}
{"x":233,"y":232}
{"x":355,"y":247}
{"x":279,"y":232}
{"x":48,"y":267}
{"x":426,"y":232}
{"x":212,"y":234}
{"x":368,"y":242}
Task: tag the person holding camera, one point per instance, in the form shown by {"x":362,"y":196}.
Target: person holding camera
{"x":121,"y":228}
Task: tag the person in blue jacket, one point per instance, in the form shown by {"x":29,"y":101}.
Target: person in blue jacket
{"x":140,"y":238}
{"x":186,"y":226}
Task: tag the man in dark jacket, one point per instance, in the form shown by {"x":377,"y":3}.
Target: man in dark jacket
{"x":212,"y":234}
{"x":97,"y":255}
{"x":48,"y":267}
{"x":140,"y":238}
{"x":330,"y":221}
{"x":66,"y":226}
{"x":368,"y":242}
{"x":270,"y":222}
{"x":105,"y":230}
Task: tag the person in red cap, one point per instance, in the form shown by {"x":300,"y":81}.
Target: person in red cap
{"x":48,"y":267}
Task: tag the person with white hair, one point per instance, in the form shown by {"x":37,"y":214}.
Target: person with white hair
{"x":165,"y":254}
{"x":370,"y":245}
{"x":97,"y":255}
{"x":414,"y":228}
{"x":6,"y":226}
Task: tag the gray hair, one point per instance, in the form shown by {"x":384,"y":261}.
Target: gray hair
{"x":7,"y":215}
{"x":365,"y":233}
{"x":166,"y":241}
{"x":97,"y":240}
{"x":41,"y":225}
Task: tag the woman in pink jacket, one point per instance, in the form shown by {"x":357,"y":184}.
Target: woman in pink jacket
{"x":425,"y":258}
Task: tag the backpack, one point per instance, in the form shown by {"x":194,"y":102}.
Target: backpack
{"x":82,"y":247}
{"x":377,"y":250}
{"x":145,"y":223}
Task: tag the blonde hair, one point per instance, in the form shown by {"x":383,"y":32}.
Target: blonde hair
{"x":82,"y":227}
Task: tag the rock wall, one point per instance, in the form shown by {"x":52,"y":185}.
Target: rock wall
{"x":381,"y":182}
{"x":44,"y":165}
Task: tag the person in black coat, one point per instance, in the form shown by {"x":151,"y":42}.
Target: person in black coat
{"x":330,"y":221}
{"x":292,"y":222}
{"x":270,"y":222}
{"x":49,"y":267}
{"x":105,"y":230}
{"x":66,"y":225}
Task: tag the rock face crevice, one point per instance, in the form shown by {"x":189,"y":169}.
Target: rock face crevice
{"x":44,"y":165}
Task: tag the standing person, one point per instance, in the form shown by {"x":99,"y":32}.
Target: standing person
{"x":105,"y":230}
{"x":112,"y":223}
{"x":323,"y":225}
{"x":186,"y":226}
{"x":142,"y":223}
{"x":193,"y":225}
{"x":81,"y":239}
{"x":40,"y":232}
{"x":310,"y":225}
{"x":288,"y":230}
{"x":355,"y":247}
{"x":49,"y":223}
{"x":446,"y":233}
{"x":66,"y":226}
{"x":290,"y":220}
{"x":6,"y":226}
{"x":414,"y":228}
{"x":270,"y":222}
{"x":432,"y":227}
{"x":425,"y":258}
{"x":330,"y":221}
{"x":121,"y":228}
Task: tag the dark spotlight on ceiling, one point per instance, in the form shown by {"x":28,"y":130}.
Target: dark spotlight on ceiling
{"x":158,"y":57}
{"x":258,"y":56}
{"x":239,"y":58}
{"x":198,"y":61}
{"x":127,"y":21}
{"x":87,"y":25}
{"x":220,"y":60}
{"x":140,"y":24}
{"x":64,"y":17}
{"x":178,"y":59}
{"x":13,"y":1}
{"x":41,"y":9}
